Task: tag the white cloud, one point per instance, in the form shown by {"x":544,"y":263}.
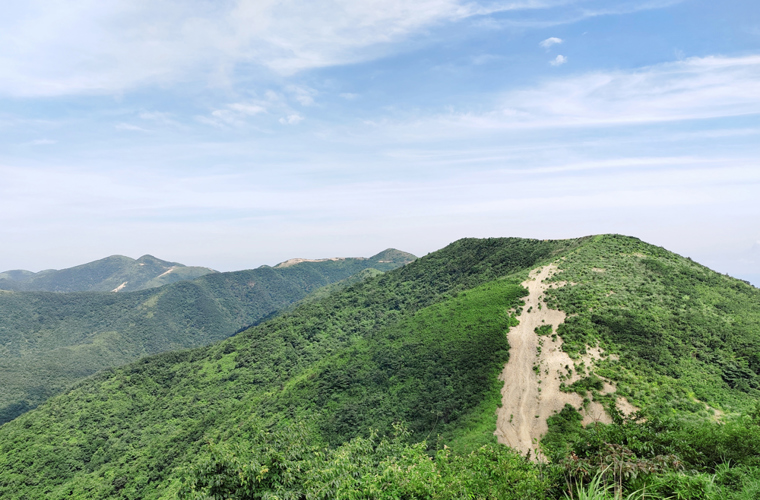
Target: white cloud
{"x":349,"y":96}
{"x":293,"y":119}
{"x":558,"y":61}
{"x":84,"y":46}
{"x":550,"y":41}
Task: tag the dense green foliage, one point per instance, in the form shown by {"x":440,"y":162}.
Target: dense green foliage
{"x":668,"y":458}
{"x":307,"y":404}
{"x":49,"y":340}
{"x":104,"y":275}
{"x":286,"y":465}
{"x":686,"y":336}
{"x":132,"y":430}
{"x":685,"y":343}
{"x":436,"y":370}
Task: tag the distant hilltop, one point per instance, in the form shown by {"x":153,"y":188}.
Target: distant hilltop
{"x":298,"y":260}
{"x":388,"y":256}
{"x":116,"y":273}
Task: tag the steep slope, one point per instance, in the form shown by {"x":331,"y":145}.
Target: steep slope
{"x":112,"y":274}
{"x":424,"y":344}
{"x":49,"y":340}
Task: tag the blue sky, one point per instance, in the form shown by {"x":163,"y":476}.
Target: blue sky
{"x":238,"y":133}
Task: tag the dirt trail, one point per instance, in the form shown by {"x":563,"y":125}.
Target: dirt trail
{"x":531,"y":395}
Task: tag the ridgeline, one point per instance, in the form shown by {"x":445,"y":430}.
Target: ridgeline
{"x":49,"y":340}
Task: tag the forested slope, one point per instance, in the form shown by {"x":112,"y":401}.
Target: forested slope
{"x":675,"y":325}
{"x":297,"y":406}
{"x":49,"y":340}
{"x":128,"y":431}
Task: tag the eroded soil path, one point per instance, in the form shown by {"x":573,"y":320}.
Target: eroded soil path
{"x":531,"y":392}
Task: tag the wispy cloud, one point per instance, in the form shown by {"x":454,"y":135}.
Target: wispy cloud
{"x":111,"y":47}
{"x":695,"y":88}
{"x":234,"y":114}
{"x":304,"y":95}
{"x":550,"y":41}
{"x":293,"y":119}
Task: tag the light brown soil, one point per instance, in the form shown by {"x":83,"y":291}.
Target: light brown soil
{"x":167,"y":272}
{"x":530,"y":396}
{"x":120,"y":287}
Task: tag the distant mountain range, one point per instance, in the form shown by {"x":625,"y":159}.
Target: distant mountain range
{"x":116,"y":273}
{"x":50,"y":340}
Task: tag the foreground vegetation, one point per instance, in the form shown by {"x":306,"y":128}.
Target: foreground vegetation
{"x":387,"y":388}
{"x":719,"y":462}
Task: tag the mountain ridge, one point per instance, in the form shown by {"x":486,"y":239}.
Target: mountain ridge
{"x":115,"y":273}
{"x":48,"y":340}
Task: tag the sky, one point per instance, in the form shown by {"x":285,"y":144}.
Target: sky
{"x":236,"y":133}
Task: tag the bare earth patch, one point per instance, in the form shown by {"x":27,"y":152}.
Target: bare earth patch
{"x":167,"y":272}
{"x":531,"y":392}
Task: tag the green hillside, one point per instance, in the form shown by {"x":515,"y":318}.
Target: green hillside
{"x":308,"y":404}
{"x":114,"y":273}
{"x":49,"y":340}
{"x":677,"y":325}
